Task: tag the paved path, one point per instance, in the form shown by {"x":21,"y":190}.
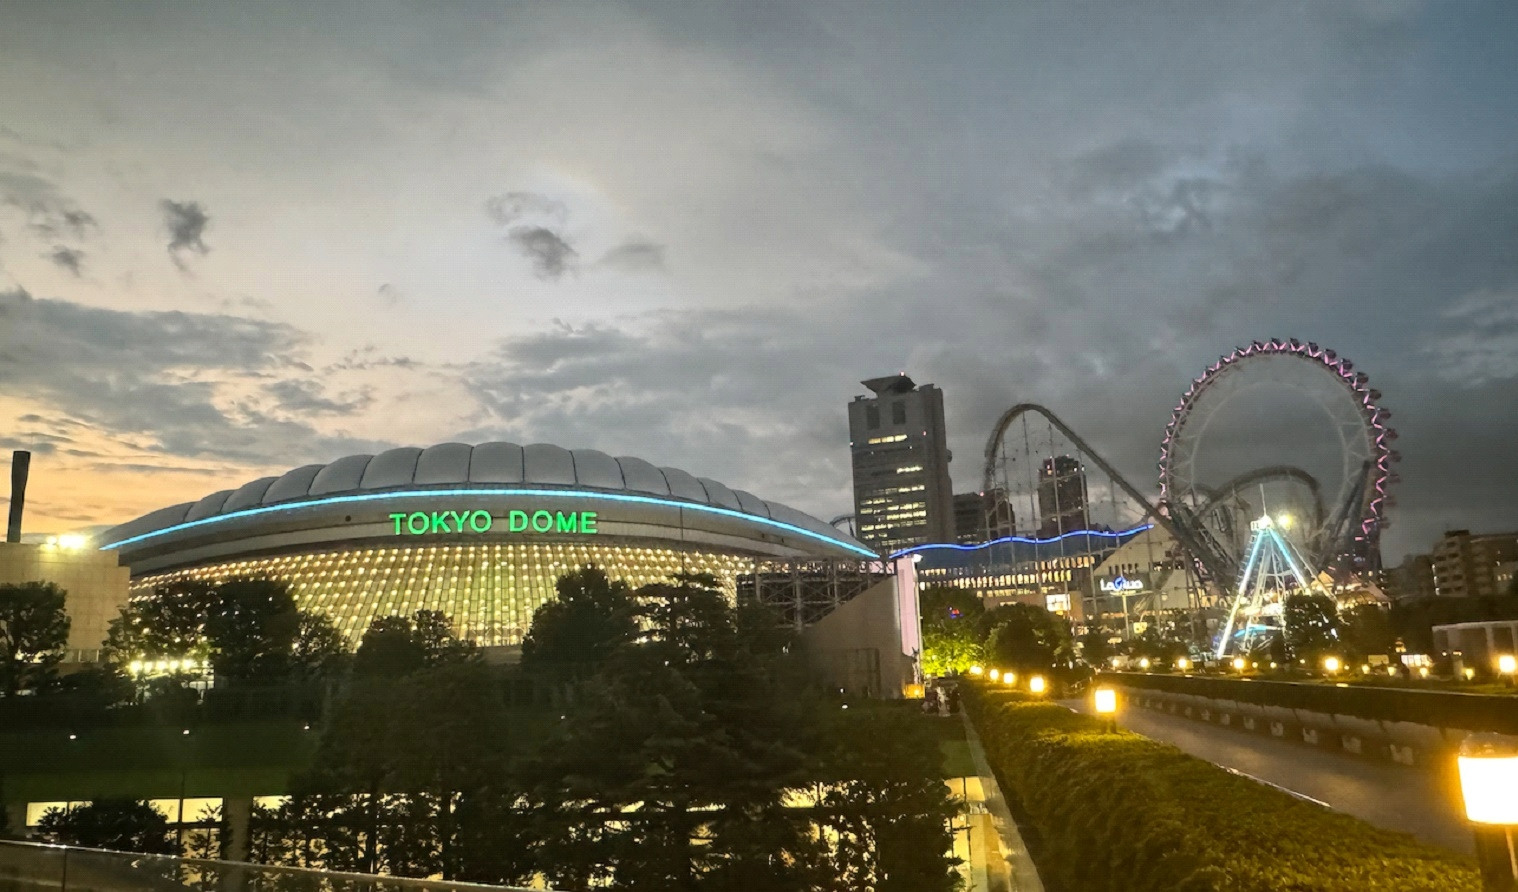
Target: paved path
{"x":1423,"y":803}
{"x":1003,"y":862}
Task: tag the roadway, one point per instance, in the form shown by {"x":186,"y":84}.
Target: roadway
{"x":1422,"y":803}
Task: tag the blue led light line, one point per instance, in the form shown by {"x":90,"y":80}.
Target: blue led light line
{"x":541,"y":493}
{"x":1025,"y":540}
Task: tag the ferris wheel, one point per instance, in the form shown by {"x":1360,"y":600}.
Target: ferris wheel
{"x":1287,"y":430}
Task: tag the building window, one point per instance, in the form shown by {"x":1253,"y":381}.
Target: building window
{"x":872,"y":417}
{"x":898,"y":412}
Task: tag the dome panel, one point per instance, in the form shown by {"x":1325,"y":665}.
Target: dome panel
{"x":443,"y":463}
{"x":342,"y":475}
{"x":394,"y":467}
{"x":546,"y":463}
{"x":752,"y":503}
{"x":787,"y":514}
{"x":248,"y":495}
{"x":642,"y":476}
{"x":294,"y":484}
{"x":718,"y":494}
{"x":496,"y":463}
{"x":596,"y":468}
{"x":208,"y":506}
{"x":157,"y":520}
{"x":684,"y":486}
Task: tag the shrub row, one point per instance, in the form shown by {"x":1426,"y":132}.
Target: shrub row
{"x":1116,"y":811}
{"x":1441,"y":709}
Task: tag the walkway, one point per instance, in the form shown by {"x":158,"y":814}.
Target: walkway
{"x":999,"y":861}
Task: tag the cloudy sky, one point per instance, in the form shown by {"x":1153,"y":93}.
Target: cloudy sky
{"x":239,"y":238}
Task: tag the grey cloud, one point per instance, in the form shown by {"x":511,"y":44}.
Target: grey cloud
{"x":307,"y":398}
{"x":550,"y":254}
{"x":126,"y":375}
{"x":186,"y":223}
{"x":48,"y":212}
{"x":636,"y":255}
{"x":511,"y":207}
{"x":71,"y":259}
{"x":389,"y":296}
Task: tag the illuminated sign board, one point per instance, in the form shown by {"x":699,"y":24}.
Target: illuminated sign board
{"x":423,"y":523}
{"x":1057,"y":603}
{"x":1122,"y":584}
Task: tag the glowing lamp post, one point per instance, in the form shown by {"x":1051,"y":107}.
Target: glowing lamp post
{"x":1507,"y":665}
{"x":1009,"y":678}
{"x":976,"y":670}
{"x":1036,"y":684}
{"x":995,"y":674}
{"x":1489,"y":785}
{"x":1144,"y":664}
{"x":1238,"y":664}
{"x":1106,"y":706}
{"x":1331,"y":665}
{"x":1182,"y":664}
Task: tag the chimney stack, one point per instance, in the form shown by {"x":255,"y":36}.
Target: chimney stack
{"x":21,"y":464}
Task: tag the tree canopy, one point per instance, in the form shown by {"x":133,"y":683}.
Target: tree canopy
{"x":33,"y":632}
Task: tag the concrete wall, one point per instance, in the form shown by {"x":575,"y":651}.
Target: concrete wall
{"x":95,"y":581}
{"x":857,"y":647}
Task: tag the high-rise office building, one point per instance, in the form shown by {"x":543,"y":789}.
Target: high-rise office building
{"x":982,"y":516}
{"x":1061,"y":496}
{"x":902,"y":494}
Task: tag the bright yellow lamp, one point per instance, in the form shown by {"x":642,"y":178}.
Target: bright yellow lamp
{"x":1036,"y":684}
{"x":1488,"y":766}
{"x":995,"y":674}
{"x":1106,"y":706}
{"x":1009,"y":678}
{"x":1238,"y":663}
{"x":1182,"y":664}
{"x":1144,"y":663}
{"x":1332,"y":665}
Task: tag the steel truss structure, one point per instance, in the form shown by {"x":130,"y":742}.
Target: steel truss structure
{"x":1273,"y":569}
{"x":803,"y":592}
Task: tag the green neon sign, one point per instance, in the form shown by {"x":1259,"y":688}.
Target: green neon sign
{"x":424,"y":523}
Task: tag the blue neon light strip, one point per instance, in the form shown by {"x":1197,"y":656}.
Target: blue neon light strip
{"x":540,"y":493}
{"x":1023,"y":539}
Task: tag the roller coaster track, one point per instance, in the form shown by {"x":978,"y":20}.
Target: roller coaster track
{"x":1187,"y":530}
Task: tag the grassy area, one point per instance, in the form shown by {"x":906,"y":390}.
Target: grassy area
{"x":246,"y":758}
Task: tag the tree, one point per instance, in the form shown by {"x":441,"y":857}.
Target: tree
{"x":33,"y":632}
{"x":169,"y":623}
{"x":1027,"y":638}
{"x":394,"y":646}
{"x":252,"y":628}
{"x":1367,"y":630}
{"x":951,"y":640}
{"x":1312,"y":626}
{"x":689,"y":619}
{"x":1096,"y":646}
{"x":319,"y":648}
{"x":122,"y":825}
{"x":572,"y":636}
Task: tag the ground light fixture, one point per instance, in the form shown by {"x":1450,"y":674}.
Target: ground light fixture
{"x":1507,"y":664}
{"x":1009,"y":678}
{"x":1488,"y":766}
{"x":976,"y":670}
{"x":1106,"y":706}
{"x":1182,"y":664}
{"x":1238,"y":663}
{"x":1332,"y":665}
{"x":995,"y":674}
{"x":1036,"y":684}
{"x":1144,"y":663}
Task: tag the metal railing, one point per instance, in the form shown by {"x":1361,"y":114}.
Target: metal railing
{"x":38,"y":867}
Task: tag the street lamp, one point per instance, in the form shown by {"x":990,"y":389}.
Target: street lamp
{"x":1489,"y":785}
{"x":1182,"y":664}
{"x":1036,"y":684}
{"x":1332,"y":665}
{"x":976,"y":670}
{"x":1144,"y":664}
{"x":1106,"y":706}
{"x":1238,"y":663}
{"x":1507,"y":664}
{"x":995,"y":674}
{"x":1009,"y":678}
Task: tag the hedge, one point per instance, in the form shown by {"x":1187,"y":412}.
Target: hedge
{"x":1116,"y":811}
{"x":1440,"y":709}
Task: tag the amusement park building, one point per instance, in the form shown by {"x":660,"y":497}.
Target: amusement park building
{"x":480,"y":533}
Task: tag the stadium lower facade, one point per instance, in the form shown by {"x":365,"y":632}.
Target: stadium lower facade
{"x":481,"y":533}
